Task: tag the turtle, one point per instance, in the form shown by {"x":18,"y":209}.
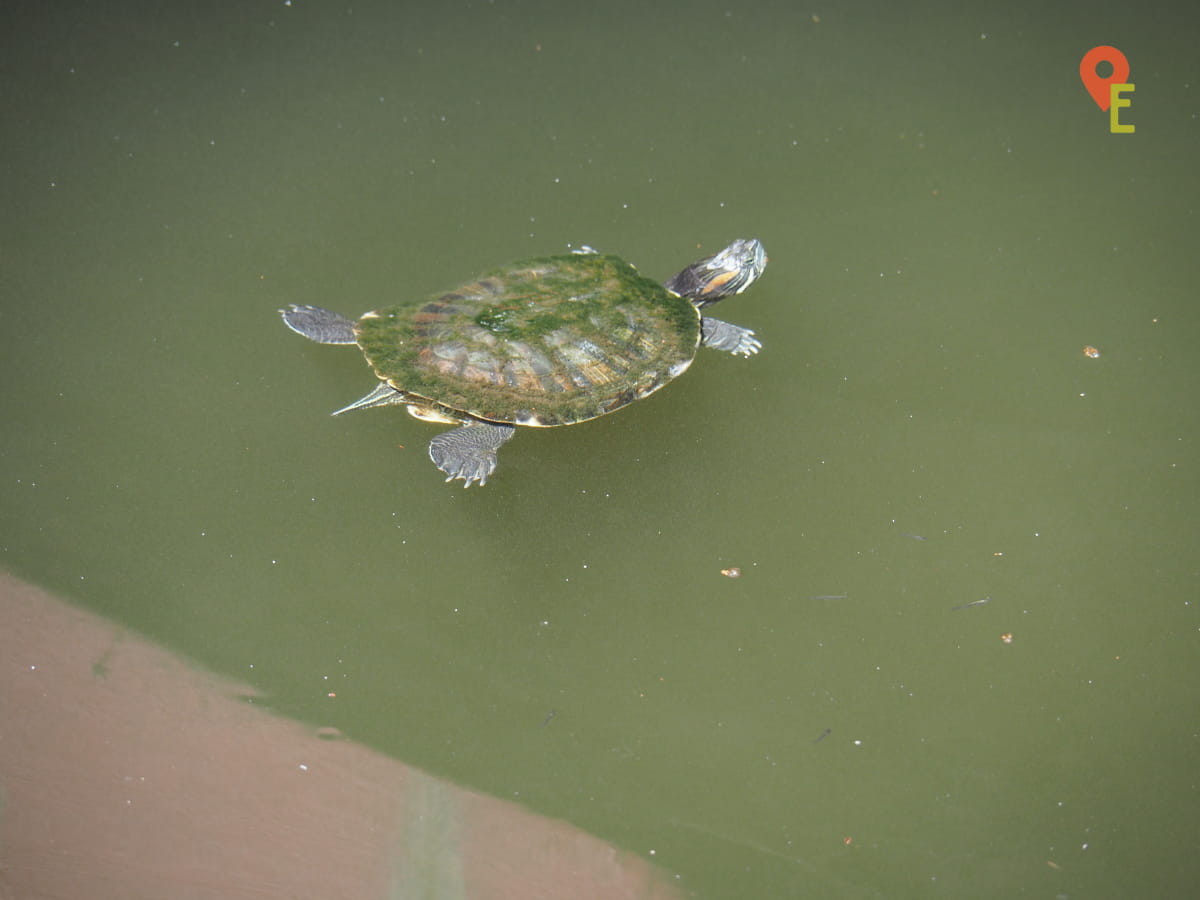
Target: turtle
{"x":553,"y":340}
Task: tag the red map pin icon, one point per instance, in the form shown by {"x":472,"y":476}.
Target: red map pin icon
{"x":1097,"y":86}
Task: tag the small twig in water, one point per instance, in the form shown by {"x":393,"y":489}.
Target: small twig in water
{"x":979,"y":602}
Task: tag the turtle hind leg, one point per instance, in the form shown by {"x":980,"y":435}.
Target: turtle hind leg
{"x":320,"y":325}
{"x":469,"y":452}
{"x":730,"y":338}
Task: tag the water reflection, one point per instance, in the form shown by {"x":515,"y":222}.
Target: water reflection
{"x":130,"y":774}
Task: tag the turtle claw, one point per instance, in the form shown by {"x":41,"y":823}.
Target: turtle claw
{"x":748,"y":345}
{"x":480,"y":473}
{"x":469,"y":452}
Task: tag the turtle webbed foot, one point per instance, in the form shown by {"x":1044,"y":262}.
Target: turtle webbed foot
{"x":730,"y":338}
{"x":469,"y":452}
{"x":317,"y":324}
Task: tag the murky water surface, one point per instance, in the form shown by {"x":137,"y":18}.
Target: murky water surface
{"x":950,"y":223}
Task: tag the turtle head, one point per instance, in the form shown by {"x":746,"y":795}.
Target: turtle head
{"x":721,"y":275}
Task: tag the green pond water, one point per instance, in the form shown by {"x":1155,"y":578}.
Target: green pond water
{"x":950,"y":223}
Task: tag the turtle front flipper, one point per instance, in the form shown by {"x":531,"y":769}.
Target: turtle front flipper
{"x":469,"y":452}
{"x":730,"y":338}
{"x":320,"y":325}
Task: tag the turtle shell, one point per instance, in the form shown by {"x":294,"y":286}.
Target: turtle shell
{"x":548,"y":341}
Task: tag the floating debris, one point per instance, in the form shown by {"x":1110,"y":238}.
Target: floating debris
{"x":1006,"y":637}
{"x":829,"y":597}
{"x":979,"y":602}
{"x":733,"y":572}
{"x":1091,"y":352}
